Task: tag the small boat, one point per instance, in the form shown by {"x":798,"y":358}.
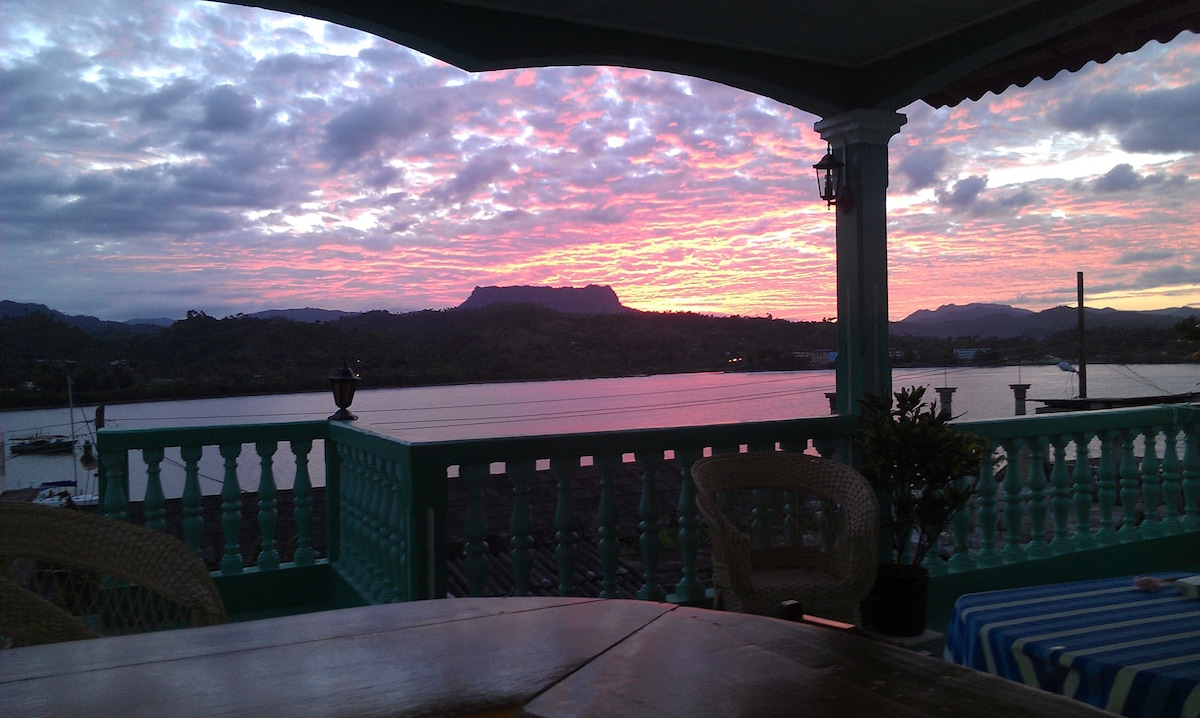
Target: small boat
{"x":43,"y":444}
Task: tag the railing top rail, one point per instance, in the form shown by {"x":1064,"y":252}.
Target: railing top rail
{"x":518,"y":448}
{"x":126,"y":439}
{"x":1075,"y":422}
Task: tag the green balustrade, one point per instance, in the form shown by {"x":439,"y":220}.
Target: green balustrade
{"x":386,"y":499}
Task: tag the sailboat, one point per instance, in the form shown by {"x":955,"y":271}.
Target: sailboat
{"x":1085,"y":403}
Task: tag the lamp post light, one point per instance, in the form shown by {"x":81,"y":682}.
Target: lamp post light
{"x":343,"y":383}
{"x":829,"y":177}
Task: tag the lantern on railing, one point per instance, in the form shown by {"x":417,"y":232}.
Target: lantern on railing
{"x":343,"y":383}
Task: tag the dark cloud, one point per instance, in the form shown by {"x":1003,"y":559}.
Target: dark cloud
{"x":963,"y":194}
{"x":479,"y":172}
{"x":921,"y":167}
{"x":158,"y":105}
{"x":1166,"y":120}
{"x":365,"y":128}
{"x":227,"y":110}
{"x":1118,"y":179}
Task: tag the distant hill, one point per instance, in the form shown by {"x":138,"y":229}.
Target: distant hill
{"x":592,"y":299}
{"x":308,"y":314}
{"x":89,"y":324}
{"x":1004,"y":322}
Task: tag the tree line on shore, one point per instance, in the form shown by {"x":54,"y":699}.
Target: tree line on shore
{"x":203,"y":356}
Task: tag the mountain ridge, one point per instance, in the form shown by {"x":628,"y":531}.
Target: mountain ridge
{"x":978,"y":319}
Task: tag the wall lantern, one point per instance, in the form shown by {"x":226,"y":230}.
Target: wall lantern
{"x":830,"y":177}
{"x":343,"y":383}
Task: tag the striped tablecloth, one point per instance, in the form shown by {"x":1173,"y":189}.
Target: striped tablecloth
{"x":1102,"y":642}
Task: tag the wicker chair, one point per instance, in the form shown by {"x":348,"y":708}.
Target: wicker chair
{"x":788,"y":526}
{"x":66,"y":575}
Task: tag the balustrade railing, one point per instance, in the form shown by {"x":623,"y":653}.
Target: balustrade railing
{"x":553,"y":513}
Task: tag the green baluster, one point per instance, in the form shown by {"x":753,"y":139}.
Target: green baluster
{"x":609,"y":545}
{"x":231,"y":510}
{"x":193,"y":498}
{"x":648,"y":526}
{"x":268,"y":511}
{"x":1038,"y":547}
{"x":987,"y":557}
{"x":521,"y":525}
{"x":1151,"y":489}
{"x":1129,"y":488}
{"x":1191,"y":477}
{"x":302,"y":503}
{"x":1060,"y":501}
{"x":1014,"y":511}
{"x":115,"y":501}
{"x":1106,"y":491}
{"x":475,"y":531}
{"x":1081,"y":479}
{"x":155,"y":502}
{"x":689,"y":587}
{"x":1170,"y":482}
{"x":761,"y":519}
{"x":564,"y":523}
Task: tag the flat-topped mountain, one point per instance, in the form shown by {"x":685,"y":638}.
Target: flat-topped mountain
{"x":592,"y":299}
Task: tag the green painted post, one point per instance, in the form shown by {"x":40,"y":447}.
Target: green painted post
{"x":1129,"y":489}
{"x":648,"y":528}
{"x":1014,"y":512}
{"x":1191,"y":476}
{"x":609,"y":545}
{"x":268,"y":512}
{"x":154,"y":502}
{"x":1170,"y":481}
{"x":193,"y":498}
{"x":987,"y":557}
{"x":1081,"y":479}
{"x":1060,"y":496}
{"x":564,"y":524}
{"x":115,"y":502}
{"x":1106,"y":490}
{"x":521,"y":525}
{"x":863,"y":363}
{"x":231,"y":510}
{"x":1151,"y":489}
{"x":302,"y":503}
{"x":1038,"y":547}
{"x":689,"y":587}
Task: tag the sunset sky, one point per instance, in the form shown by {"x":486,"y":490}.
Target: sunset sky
{"x":162,"y":156}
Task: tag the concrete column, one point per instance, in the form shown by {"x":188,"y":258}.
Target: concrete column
{"x":946,"y":398}
{"x":860,"y":138}
{"x":1019,"y":393}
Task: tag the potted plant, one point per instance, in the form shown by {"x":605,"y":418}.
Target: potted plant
{"x":916,"y":461}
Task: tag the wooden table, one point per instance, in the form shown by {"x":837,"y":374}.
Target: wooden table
{"x":1101,"y":641}
{"x":506,"y":656}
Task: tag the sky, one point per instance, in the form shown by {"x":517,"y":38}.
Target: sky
{"x":166,"y":156}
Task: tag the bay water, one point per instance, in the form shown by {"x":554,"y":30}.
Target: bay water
{"x":473,"y":411}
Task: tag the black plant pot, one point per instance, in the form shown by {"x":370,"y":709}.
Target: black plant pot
{"x":899,"y":600}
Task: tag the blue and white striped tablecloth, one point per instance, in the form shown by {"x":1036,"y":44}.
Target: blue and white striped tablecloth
{"x":1102,"y":642}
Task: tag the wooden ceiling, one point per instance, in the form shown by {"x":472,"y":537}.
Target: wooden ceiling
{"x":825,"y":58}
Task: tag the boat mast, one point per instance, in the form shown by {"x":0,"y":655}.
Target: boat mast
{"x":71,"y":405}
{"x":1082,"y":352}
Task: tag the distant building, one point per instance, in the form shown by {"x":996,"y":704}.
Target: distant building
{"x":817,"y":357}
{"x":969,"y":354}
